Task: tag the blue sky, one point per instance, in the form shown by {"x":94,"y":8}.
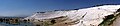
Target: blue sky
{"x":27,"y":7}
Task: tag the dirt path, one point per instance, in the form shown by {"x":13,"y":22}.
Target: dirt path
{"x":116,"y":22}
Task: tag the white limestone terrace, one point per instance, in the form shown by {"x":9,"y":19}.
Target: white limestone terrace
{"x":87,"y":16}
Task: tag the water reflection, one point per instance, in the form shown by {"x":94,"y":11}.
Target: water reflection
{"x":14,"y":22}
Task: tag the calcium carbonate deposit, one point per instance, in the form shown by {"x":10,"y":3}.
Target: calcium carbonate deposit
{"x":92,"y":16}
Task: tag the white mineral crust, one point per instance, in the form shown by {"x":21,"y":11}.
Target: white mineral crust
{"x":92,"y":16}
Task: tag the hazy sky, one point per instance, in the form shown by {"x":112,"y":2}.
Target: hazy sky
{"x":27,"y":7}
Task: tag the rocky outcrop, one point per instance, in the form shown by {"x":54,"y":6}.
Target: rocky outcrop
{"x":116,"y":22}
{"x":93,"y":16}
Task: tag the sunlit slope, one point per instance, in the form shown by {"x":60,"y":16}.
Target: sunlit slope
{"x":82,"y":17}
